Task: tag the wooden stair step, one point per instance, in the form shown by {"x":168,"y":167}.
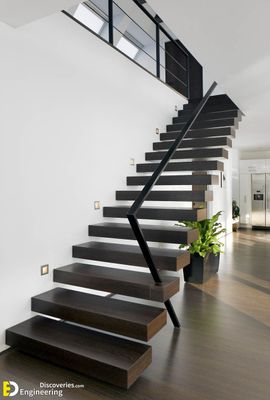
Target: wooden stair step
{"x":222,"y":101}
{"x":118,"y":281}
{"x":205,"y":124}
{"x":174,"y":180}
{"x":185,"y":154}
{"x":158,"y":213}
{"x":220,"y":105}
{"x":152,"y":233}
{"x":108,"y":358}
{"x":165,"y":195}
{"x":184,"y":117}
{"x":124,"y":318}
{"x":193,"y":143}
{"x":188,"y":108}
{"x":184,"y":166}
{"x":167,"y":259}
{"x":216,"y":99}
{"x":199,"y":133}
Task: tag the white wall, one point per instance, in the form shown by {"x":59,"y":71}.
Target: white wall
{"x":73,"y":112}
{"x":235,"y":175}
{"x":18,"y":12}
{"x":223,"y":196}
{"x":245,"y":199}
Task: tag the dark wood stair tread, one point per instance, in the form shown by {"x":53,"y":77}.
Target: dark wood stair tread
{"x":211,"y":165}
{"x":165,"y":195}
{"x":184,"y":116}
{"x":194,"y":143}
{"x":106,"y":357}
{"x":154,"y":233}
{"x":188,"y":108}
{"x":185,"y":154}
{"x":168,"y":259}
{"x":206,"y":124}
{"x":221,"y":101}
{"x":174,"y":180}
{"x":114,"y":280}
{"x":125,"y":318}
{"x":199,"y":133}
{"x":158,"y":213}
{"x":211,"y":107}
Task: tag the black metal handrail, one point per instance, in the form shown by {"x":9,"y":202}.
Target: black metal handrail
{"x":134,"y":209}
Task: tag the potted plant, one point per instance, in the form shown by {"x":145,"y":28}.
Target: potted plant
{"x":205,"y":251}
{"x":235,"y":215}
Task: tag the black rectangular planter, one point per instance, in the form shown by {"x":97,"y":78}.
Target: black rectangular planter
{"x":201,"y":269}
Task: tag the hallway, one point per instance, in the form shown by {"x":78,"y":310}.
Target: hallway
{"x":221,"y":352}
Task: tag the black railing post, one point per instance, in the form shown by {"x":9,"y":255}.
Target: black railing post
{"x":188,"y":77}
{"x":110,"y":18}
{"x":158,"y":50}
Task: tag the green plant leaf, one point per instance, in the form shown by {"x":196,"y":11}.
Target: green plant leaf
{"x":209,"y":232}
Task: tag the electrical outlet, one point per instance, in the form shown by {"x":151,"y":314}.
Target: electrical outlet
{"x":175,"y":108}
{"x":132,"y":161}
{"x":97,"y":205}
{"x":157,"y":131}
{"x":44,"y":269}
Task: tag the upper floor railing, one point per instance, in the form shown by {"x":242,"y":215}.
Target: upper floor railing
{"x":134,"y":29}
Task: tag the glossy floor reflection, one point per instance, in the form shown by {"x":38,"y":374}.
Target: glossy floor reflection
{"x":222,"y":351}
{"x":243,"y":281}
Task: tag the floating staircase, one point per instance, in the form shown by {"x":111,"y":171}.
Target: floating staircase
{"x":85,"y":336}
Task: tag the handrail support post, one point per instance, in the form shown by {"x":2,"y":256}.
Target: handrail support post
{"x":157,"y":51}
{"x":144,"y":247}
{"x":110,"y":20}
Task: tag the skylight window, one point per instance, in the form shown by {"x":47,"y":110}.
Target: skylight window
{"x":127,"y":47}
{"x":89,"y":18}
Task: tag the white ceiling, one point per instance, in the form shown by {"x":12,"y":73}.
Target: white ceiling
{"x":231,"y":40}
{"x":20,"y":12}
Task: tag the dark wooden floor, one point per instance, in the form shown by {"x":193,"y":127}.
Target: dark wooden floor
{"x":222,"y":351}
